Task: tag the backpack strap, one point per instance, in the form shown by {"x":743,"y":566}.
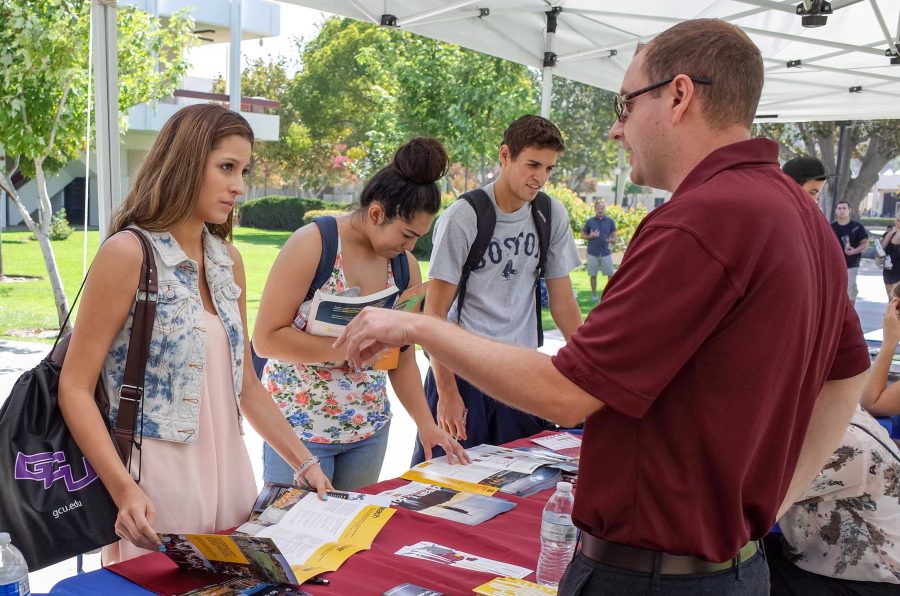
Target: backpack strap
{"x":485,"y":221}
{"x":540,"y":213}
{"x":329,"y":232}
{"x":400,"y":269}
{"x":328,"y":229}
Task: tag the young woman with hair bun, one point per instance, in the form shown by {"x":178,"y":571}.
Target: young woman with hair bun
{"x":341,"y":414}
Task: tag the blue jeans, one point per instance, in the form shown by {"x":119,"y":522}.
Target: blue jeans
{"x":348,"y":465}
{"x":588,"y":577}
{"x":488,"y":420}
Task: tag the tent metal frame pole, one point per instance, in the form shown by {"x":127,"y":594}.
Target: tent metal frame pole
{"x":106,"y":104}
{"x":549,"y":61}
{"x":412,"y":19}
{"x":357,"y":6}
{"x":884,"y":28}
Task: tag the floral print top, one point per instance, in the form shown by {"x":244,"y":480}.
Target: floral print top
{"x":330,"y":402}
{"x":848,"y":525}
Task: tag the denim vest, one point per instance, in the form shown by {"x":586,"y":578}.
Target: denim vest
{"x":173,"y":382}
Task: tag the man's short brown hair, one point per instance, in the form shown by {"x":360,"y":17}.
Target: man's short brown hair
{"x":532,"y":131}
{"x":717,"y":51}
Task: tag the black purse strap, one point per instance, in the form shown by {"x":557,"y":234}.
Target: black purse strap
{"x":880,"y":442}
{"x":131,"y":393}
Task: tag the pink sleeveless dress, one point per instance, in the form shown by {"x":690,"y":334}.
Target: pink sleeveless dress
{"x":202,"y":487}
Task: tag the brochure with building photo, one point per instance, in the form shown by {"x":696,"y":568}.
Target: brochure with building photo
{"x":446,"y":503}
{"x":294,"y":538}
{"x":492,"y":469}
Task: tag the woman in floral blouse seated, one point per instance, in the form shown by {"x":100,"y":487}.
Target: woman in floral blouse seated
{"x":844,"y":537}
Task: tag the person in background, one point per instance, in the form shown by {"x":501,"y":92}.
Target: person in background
{"x":600,"y":233}
{"x":842,"y":538}
{"x":688,"y":469}
{"x":343,"y":414}
{"x":878,"y":398}
{"x":195,"y":474}
{"x":809,"y":173}
{"x":890,"y":243}
{"x":854,"y":240}
{"x":500,"y":296}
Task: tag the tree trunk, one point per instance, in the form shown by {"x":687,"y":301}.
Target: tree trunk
{"x":873,"y":161}
{"x":43,"y":235}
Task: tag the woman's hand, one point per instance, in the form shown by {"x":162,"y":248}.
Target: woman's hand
{"x":890,"y":323}
{"x":431,"y":435}
{"x":136,"y":514}
{"x":317,"y":480}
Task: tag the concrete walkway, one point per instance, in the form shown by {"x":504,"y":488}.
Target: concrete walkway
{"x":18,"y":356}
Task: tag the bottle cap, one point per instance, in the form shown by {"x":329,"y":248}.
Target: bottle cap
{"x":565,"y":487}
{"x":4,"y":538}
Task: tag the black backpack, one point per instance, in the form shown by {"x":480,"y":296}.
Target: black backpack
{"x":487,"y":221}
{"x":328,"y":229}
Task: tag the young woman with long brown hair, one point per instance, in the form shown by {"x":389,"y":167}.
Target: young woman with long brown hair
{"x":195,"y":474}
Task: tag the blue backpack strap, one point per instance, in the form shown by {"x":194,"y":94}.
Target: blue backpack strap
{"x":486,"y":221}
{"x":540,"y":213}
{"x":328,"y":229}
{"x":400,"y":269}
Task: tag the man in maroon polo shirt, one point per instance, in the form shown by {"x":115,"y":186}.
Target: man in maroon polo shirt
{"x":725,"y":360}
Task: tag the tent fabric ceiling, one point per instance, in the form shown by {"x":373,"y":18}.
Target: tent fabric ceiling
{"x":595,"y":41}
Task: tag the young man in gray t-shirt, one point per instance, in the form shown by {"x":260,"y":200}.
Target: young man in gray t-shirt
{"x":500,"y":298}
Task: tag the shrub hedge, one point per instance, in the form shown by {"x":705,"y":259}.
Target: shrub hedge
{"x":876,"y":222}
{"x":314,"y":213}
{"x":283,"y":213}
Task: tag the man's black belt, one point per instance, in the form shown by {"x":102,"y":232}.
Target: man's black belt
{"x":643,"y":560}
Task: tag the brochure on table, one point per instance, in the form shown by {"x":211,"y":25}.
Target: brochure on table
{"x":295,"y":537}
{"x":493,"y":468}
{"x":447,"y":503}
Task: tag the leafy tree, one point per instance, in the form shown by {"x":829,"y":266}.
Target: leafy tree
{"x":372,"y":88}
{"x":872,"y":144}
{"x":584,"y":115}
{"x":44,"y":87}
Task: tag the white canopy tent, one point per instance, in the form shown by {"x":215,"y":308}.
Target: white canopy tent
{"x":840,"y":71}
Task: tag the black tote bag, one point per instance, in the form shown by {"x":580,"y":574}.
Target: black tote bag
{"x":52,"y":502}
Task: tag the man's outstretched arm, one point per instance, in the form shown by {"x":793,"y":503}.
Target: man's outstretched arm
{"x":519,"y":377}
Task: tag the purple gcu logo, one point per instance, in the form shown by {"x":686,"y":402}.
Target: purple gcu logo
{"x":50,"y":467}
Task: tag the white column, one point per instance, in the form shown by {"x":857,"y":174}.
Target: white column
{"x":106,"y":102}
{"x":234,"y":58}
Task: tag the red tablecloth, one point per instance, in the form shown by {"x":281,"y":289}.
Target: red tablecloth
{"x":511,"y":537}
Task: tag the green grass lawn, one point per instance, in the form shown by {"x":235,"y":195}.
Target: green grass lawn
{"x":27,"y":306}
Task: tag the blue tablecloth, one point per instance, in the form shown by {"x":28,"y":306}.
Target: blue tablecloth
{"x":96,"y":582}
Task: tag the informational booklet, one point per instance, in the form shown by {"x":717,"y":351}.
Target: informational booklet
{"x":436,"y":553}
{"x":246,"y":586}
{"x":330,"y":313}
{"x":492,"y":469}
{"x":411,"y":590}
{"x":512,"y":586}
{"x":295,"y":537}
{"x":446,"y":503}
{"x":558,"y":441}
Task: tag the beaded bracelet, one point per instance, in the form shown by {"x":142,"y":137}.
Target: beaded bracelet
{"x":304,"y":466}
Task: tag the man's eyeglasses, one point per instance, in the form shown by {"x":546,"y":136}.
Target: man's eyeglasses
{"x":622,"y":100}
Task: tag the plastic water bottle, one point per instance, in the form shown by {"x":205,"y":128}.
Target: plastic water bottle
{"x":13,"y":570}
{"x":558,"y":536}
